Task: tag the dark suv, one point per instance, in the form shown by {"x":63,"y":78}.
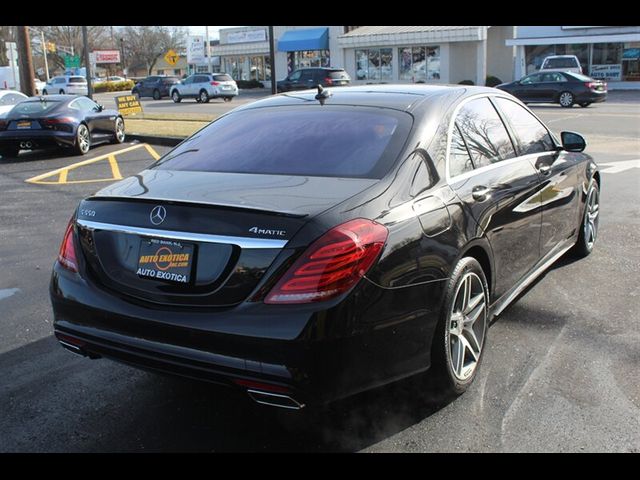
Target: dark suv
{"x":156,"y":86}
{"x":305,"y":78}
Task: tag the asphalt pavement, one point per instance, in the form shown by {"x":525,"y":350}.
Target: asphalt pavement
{"x":560,"y":372}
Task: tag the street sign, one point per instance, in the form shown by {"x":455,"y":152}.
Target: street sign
{"x":171,"y":57}
{"x":71,"y":61}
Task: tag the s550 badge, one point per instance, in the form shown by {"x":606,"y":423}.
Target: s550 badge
{"x":267,"y":231}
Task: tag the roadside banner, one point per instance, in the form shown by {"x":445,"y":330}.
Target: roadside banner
{"x":195,"y":49}
{"x":128,"y":104}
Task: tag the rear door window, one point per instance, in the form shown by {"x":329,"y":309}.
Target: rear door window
{"x":327,"y":141}
{"x":484,"y":133}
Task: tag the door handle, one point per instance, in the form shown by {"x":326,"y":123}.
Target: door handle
{"x":480,"y":193}
{"x":544,"y":169}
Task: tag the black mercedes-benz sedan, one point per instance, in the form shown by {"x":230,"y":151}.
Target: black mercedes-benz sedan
{"x":565,"y":88}
{"x":309,"y":246}
{"x":69,"y":121}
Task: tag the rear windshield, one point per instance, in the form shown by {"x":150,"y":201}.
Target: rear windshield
{"x":77,"y":80}
{"x":316,"y":141}
{"x":341,"y":74}
{"x":579,"y":77}
{"x":560,"y":63}
{"x":35,"y":107}
{"x":222,"y":78}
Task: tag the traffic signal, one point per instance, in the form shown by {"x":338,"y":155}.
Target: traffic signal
{"x":51,"y":47}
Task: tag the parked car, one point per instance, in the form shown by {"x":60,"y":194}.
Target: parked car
{"x":304,"y":254}
{"x":59,"y":120}
{"x":564,"y":88}
{"x":561,"y":63}
{"x":9,"y":99}
{"x":66,"y":85}
{"x":115,"y":79}
{"x":305,"y":78}
{"x":156,"y":86}
{"x":39,"y":84}
{"x":205,"y":86}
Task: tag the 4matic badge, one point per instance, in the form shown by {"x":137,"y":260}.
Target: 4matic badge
{"x":268,"y":231}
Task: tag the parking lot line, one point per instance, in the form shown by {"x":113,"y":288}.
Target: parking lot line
{"x":151,"y":151}
{"x":63,"y":172}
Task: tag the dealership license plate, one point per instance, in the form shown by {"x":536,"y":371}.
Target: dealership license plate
{"x":165,"y":260}
{"x":24,"y":124}
{"x":226,"y":87}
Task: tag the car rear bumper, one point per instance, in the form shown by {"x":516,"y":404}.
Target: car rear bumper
{"x":593,"y":97}
{"x":37,"y":137}
{"x":311,"y":354}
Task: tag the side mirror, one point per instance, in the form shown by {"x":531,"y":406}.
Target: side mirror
{"x":99,"y":108}
{"x":573,"y":142}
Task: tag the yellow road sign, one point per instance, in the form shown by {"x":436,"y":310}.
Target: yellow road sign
{"x":63,"y":173}
{"x":171,"y":57}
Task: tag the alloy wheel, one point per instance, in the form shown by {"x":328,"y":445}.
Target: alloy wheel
{"x":566,"y":99}
{"x":591,"y":218}
{"x":467,"y":325}
{"x":204,"y":97}
{"x":120,"y":130}
{"x":83,"y":138}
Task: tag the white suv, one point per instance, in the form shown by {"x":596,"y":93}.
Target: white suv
{"x":204,"y":86}
{"x":66,"y":85}
{"x":561,"y":63}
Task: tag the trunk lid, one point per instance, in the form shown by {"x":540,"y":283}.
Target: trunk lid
{"x":198,"y":239}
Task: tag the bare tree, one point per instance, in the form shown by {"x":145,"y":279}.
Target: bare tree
{"x":71,"y":36}
{"x":7,"y":34}
{"x":146,"y":44}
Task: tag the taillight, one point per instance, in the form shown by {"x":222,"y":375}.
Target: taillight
{"x":67,"y":256}
{"x":3,"y":124}
{"x":328,"y":81}
{"x":332,"y":264}
{"x":215,"y":84}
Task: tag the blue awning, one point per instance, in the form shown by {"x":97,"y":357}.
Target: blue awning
{"x":309,"y":39}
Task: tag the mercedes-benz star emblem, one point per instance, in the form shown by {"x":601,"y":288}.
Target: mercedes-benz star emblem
{"x":157,"y":215}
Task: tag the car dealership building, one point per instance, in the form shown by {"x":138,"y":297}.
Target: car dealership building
{"x":607,"y":53}
{"x":371,"y":54}
{"x":431,"y":54}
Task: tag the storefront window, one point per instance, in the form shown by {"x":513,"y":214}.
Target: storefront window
{"x":309,"y":58}
{"x":606,"y":61}
{"x":631,"y":62}
{"x":374,"y":64}
{"x":247,"y":68}
{"x":419,"y":64}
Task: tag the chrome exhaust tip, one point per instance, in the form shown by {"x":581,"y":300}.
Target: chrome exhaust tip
{"x":72,"y":348}
{"x":23,"y":145}
{"x":28,"y":145}
{"x":275,"y":400}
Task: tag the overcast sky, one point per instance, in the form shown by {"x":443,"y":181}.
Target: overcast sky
{"x":213,"y":31}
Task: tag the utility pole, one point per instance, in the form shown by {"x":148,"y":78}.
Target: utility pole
{"x":124,"y":71}
{"x":44,"y":52}
{"x":87,"y":61}
{"x":206,"y":29}
{"x":25,"y":62}
{"x":272,"y":59}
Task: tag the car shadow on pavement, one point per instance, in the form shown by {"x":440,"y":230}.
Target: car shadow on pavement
{"x":37,"y":155}
{"x":55,"y":401}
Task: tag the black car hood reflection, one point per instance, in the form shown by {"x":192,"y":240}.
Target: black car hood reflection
{"x":288,"y":194}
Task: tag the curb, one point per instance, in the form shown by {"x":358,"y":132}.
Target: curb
{"x":164,"y":141}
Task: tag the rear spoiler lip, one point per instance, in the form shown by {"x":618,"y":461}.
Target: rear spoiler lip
{"x":178,"y":201}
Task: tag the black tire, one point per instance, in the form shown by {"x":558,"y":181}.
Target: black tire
{"x":83,"y":140}
{"x":203,"y":96}
{"x":135,"y":92}
{"x":175,"y":96}
{"x":566,"y":99}
{"x":9,"y":151}
{"x":445,"y":342}
{"x":44,"y":92}
{"x":590,"y":222}
{"x":156,"y":94}
{"x":119,"y":137}
{"x":228,"y":99}
{"x":585,"y":104}
{"x":61,"y":92}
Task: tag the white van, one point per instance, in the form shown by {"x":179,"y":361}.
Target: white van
{"x":561,"y":63}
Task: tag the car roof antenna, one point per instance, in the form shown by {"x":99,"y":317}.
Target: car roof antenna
{"x":322,"y":94}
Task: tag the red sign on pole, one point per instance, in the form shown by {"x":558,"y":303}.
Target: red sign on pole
{"x":107,"y":56}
